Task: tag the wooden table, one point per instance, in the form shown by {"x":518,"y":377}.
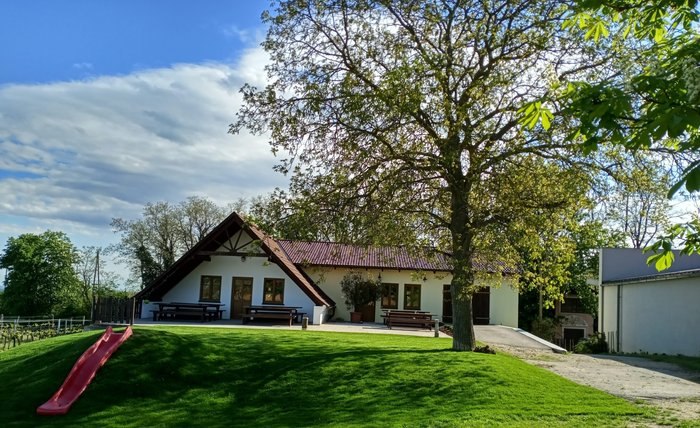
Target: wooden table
{"x":206,"y":311}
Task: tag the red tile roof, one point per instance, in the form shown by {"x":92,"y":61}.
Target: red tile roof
{"x":357,"y":256}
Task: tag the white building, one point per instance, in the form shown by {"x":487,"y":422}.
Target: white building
{"x":643,"y":310}
{"x":238,"y":265}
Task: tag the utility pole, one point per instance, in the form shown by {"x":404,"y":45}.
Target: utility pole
{"x":95,"y":282}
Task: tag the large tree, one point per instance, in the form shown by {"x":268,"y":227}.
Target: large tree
{"x":413,"y":106}
{"x":151,"y":244}
{"x":40,"y":277}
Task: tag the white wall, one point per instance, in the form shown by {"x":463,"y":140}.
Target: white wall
{"x":228,"y":267}
{"x":503,"y":302}
{"x":656,"y":316}
{"x":503,"y":305}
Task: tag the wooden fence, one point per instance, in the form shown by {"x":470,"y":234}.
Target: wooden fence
{"x":16,"y":330}
{"x":115,"y":310}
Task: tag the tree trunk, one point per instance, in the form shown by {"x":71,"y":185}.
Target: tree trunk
{"x":462,"y":286}
{"x":462,"y":321}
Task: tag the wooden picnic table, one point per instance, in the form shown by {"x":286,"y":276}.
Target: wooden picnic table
{"x":206,"y":311}
{"x":290,"y":313}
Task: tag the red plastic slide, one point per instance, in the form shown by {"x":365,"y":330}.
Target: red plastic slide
{"x":83,"y":372}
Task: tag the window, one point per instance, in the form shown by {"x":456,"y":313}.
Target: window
{"x":273,"y":291}
{"x":210,"y":289}
{"x":572,"y":305}
{"x":390,"y":296}
{"x":411,"y":296}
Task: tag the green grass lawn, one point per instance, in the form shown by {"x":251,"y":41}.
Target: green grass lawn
{"x":265,"y":378}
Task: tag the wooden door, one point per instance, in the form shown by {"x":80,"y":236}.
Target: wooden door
{"x":241,"y":296}
{"x":368,"y":312}
{"x":480,"y":306}
{"x":446,"y":304}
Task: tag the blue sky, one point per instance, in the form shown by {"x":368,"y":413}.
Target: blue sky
{"x":46,"y":41}
{"x":106,"y":105}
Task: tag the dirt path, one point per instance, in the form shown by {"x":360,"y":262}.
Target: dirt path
{"x":663,"y":385}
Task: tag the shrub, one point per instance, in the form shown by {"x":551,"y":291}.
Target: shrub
{"x":544,"y":328}
{"x":359,"y":291}
{"x":593,"y":344}
{"x":484,"y":349}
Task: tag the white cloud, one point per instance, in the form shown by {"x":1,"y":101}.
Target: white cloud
{"x":244,"y":35}
{"x":83,"y":65}
{"x":75,"y":154}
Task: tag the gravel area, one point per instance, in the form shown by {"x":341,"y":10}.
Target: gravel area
{"x":666,"y":386}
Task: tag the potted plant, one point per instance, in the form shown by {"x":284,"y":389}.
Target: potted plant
{"x":359,"y":291}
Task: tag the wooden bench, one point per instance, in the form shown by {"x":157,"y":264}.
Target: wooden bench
{"x":399,"y":312}
{"x":422,"y":319}
{"x":271,"y":312}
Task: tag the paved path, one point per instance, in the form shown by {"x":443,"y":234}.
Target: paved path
{"x":345,"y":327}
{"x":501,"y":335}
{"x":663,"y":385}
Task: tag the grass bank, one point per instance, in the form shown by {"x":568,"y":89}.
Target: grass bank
{"x":236,"y":377}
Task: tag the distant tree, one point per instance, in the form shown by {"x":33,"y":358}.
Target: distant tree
{"x":87,"y":267}
{"x":152,"y":243}
{"x":638,"y":206}
{"x":40,"y":276}
{"x":196,"y":217}
{"x":93,"y":275}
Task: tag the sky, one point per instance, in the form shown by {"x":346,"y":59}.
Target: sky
{"x":107,"y":105}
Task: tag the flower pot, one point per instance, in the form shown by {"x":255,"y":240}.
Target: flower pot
{"x":356,"y":317}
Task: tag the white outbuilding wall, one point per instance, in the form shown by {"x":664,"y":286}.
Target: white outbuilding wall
{"x":659,"y":317}
{"x":642,"y":310}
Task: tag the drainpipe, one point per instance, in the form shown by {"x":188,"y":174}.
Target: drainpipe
{"x":619,"y":320}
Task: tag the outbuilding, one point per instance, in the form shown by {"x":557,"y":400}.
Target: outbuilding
{"x":643,"y":310}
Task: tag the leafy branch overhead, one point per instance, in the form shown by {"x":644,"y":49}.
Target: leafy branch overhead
{"x":653,"y":103}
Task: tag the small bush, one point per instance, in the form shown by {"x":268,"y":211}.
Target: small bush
{"x":593,"y":344}
{"x":484,"y":349}
{"x":544,"y":328}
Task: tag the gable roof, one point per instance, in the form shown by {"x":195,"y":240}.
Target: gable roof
{"x":333,"y":254}
{"x":217,"y":237}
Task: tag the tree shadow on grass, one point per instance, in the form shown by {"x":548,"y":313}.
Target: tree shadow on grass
{"x":254,"y":378}
{"x":267,"y":380}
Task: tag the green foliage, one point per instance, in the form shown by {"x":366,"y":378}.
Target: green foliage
{"x":533,"y":113}
{"x":358,"y":290}
{"x":152,"y":243}
{"x":198,"y":377}
{"x":653,"y":103}
{"x":594,"y":344}
{"x":545,"y":328}
{"x":687,"y":234}
{"x":410,"y":110}
{"x":40,"y":276}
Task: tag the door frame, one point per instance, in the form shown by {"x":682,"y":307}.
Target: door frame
{"x":233,"y":315}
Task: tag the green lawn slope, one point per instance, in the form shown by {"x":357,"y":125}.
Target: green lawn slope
{"x":265,"y":378}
